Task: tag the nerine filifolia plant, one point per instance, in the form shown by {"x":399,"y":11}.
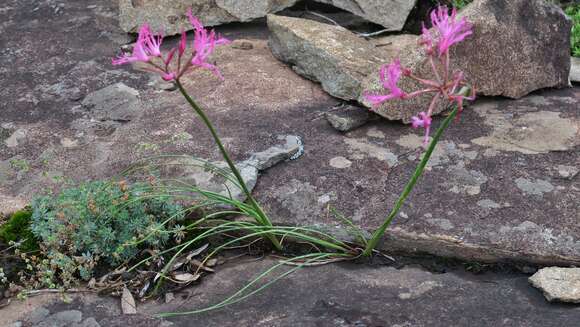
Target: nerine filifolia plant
{"x":172,"y":66}
{"x":446,"y":86}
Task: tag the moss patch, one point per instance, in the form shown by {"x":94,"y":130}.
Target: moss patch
{"x":17,"y":229}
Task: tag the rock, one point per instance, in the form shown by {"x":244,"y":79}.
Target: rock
{"x":117,"y":103}
{"x":340,"y":163}
{"x":242,"y":44}
{"x":567,"y":172}
{"x":89,"y":322}
{"x":15,"y":324}
{"x":158,"y":83}
{"x":273,"y":155}
{"x":329,"y":54}
{"x":62,"y":318}
{"x":348,"y":118}
{"x":17,"y":137}
{"x":392,"y":15}
{"x":37,"y":315}
{"x":511,"y":56}
{"x":9,"y":204}
{"x":558,"y":284}
{"x":529,"y":133}
{"x":362,"y":295}
{"x":170,"y":17}
{"x":575,"y":69}
{"x":128,"y":306}
{"x":537,"y":187}
{"x":206,"y":175}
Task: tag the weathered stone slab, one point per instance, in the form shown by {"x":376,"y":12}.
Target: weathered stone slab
{"x":558,"y":284}
{"x":169,"y":16}
{"x":392,"y":15}
{"x":345,"y":295}
{"x":328,"y":54}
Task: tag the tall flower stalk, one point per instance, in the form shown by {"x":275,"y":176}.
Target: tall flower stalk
{"x":447,"y":30}
{"x":172,"y":66}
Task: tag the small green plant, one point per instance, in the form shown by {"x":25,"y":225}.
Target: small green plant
{"x":573,"y":12}
{"x":21,"y":165}
{"x":99,"y":223}
{"x":17,"y":230}
{"x":459,"y":4}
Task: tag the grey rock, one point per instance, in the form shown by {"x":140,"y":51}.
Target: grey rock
{"x":89,"y":322}
{"x":62,"y":318}
{"x":575,"y":69}
{"x":348,"y":118}
{"x":208,"y":175}
{"x":512,"y":56}
{"x":16,"y":138}
{"x":528,"y":133}
{"x":158,"y":83}
{"x":558,"y":284}
{"x":169,"y":16}
{"x":377,"y":296}
{"x":567,"y":172}
{"x":392,"y":15}
{"x":15,"y":324}
{"x":37,"y":315}
{"x":273,"y":155}
{"x":537,"y":187}
{"x":329,"y":54}
{"x":117,"y":102}
{"x":242,"y":44}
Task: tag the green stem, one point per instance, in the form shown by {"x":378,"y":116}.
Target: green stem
{"x":262,"y":217}
{"x":378,"y":234}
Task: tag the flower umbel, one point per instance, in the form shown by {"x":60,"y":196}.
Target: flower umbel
{"x":148,"y":47}
{"x":449,"y":30}
{"x":389,"y":76}
{"x":446,"y":32}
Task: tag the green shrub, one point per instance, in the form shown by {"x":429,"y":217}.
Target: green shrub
{"x":17,"y":229}
{"x":99,"y":222}
{"x":573,"y":12}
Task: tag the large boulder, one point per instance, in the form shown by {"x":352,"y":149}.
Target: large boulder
{"x":329,"y":54}
{"x":392,"y":15}
{"x":169,"y":16}
{"x":518,"y":46}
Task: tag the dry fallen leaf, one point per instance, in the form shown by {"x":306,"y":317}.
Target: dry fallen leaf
{"x":186,"y":277}
{"x":128,"y":306}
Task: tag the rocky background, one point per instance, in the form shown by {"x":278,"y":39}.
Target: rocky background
{"x":502,"y":186}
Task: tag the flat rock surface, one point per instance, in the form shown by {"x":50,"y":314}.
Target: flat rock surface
{"x":496,"y":188}
{"x":337,"y":295}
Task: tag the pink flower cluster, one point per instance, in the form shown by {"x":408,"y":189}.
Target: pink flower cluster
{"x":148,"y":46}
{"x":446,"y":32}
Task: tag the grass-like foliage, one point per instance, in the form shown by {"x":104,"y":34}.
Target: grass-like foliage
{"x":99,"y":222}
{"x":573,"y":12}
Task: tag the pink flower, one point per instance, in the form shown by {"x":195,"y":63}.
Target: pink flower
{"x":152,"y":42}
{"x":389,"y":76}
{"x":140,"y":50}
{"x":449,"y":30}
{"x":204,"y":44}
{"x":423,"y":121}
